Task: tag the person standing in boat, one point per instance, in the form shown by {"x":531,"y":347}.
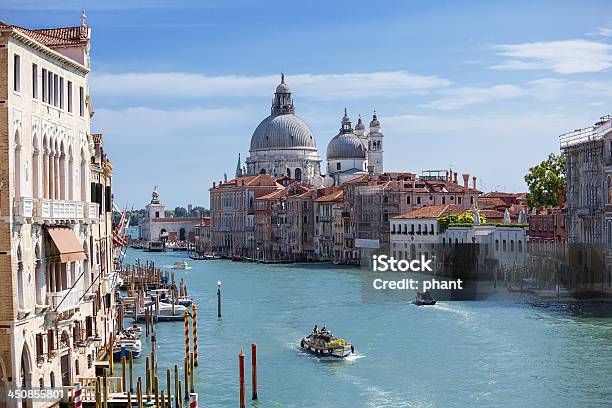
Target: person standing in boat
{"x":315,"y":330}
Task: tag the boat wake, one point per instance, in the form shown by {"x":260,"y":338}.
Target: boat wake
{"x":450,"y":309}
{"x":349,"y":359}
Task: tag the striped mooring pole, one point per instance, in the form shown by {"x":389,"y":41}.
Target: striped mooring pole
{"x":78,"y":403}
{"x":193,"y":400}
{"x":186,"y":319}
{"x":195,"y":336}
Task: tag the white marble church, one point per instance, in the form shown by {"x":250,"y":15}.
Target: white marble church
{"x":284,"y":145}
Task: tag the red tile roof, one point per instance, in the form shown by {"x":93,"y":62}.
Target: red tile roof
{"x":336,"y":196}
{"x":51,"y":37}
{"x":432,"y":211}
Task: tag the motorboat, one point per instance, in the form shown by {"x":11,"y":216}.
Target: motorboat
{"x":180,"y":265}
{"x":166,"y":312}
{"x":424,"y":299}
{"x":135,"y":330}
{"x":323,"y":343}
{"x":183,"y":301}
{"x":125,"y":345}
{"x":155,"y":246}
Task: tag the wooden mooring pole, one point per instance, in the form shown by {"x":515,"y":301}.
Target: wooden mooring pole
{"x":195,"y":335}
{"x":186,"y":320}
{"x":241,"y":369}
{"x":254,"y":369}
{"x":218,"y":299}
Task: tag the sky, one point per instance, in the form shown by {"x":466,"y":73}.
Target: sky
{"x":484,"y":87}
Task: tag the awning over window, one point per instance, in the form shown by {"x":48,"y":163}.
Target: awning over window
{"x":67,"y":244}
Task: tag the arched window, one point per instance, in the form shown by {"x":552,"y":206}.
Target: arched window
{"x":289,"y":172}
{"x":70,"y":195}
{"x":17,"y":163}
{"x":298,"y":174}
{"x":20,"y":281}
{"x":52,"y":379}
{"x":511,"y":245}
{"x":86,"y":269}
{"x":520,"y":245}
{"x":35,"y":168}
{"x":39,"y":276}
{"x":609,"y":189}
{"x":497,"y":244}
{"x":83,"y":175}
{"x":503,"y":245}
{"x":443,"y":200}
{"x":62,"y":172}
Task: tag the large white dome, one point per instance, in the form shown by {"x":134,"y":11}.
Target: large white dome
{"x":285,"y":131}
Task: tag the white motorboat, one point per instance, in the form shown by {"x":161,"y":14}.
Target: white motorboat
{"x":180,"y":265}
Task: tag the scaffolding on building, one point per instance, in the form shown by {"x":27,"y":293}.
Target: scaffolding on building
{"x":584,"y":154}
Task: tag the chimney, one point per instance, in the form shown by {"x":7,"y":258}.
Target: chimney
{"x":446,"y":175}
{"x":242,"y":182}
{"x":455,"y":177}
{"x":561,"y":196}
{"x":466,"y":178}
{"x":474,"y":182}
{"x":214,"y":184}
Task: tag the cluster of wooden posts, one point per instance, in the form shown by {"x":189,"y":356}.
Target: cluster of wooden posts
{"x":136,"y":391}
{"x":146,"y":275}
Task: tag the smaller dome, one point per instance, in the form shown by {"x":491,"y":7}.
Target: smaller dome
{"x":345,"y":118}
{"x":346,"y":146}
{"x":283,"y":87}
{"x":374,"y":122}
{"x":359,"y":125}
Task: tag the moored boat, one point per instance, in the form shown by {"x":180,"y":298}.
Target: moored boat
{"x":126,"y":344}
{"x":180,"y":265}
{"x":323,"y":343}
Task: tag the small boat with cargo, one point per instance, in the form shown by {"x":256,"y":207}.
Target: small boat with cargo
{"x":324,"y":344}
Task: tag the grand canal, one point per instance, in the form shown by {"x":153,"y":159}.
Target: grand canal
{"x":454,"y":354}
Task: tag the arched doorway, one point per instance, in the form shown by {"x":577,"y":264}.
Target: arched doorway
{"x":262,"y":171}
{"x":182,"y":234}
{"x":25,"y":373}
{"x":298,"y":174}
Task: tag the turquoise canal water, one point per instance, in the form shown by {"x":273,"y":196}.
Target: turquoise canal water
{"x":454,"y":354}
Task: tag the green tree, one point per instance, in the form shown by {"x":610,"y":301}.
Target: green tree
{"x":544,"y":181}
{"x":457,"y":219}
{"x":180,"y":212}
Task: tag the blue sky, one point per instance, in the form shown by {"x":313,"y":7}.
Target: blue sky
{"x":484,"y":87}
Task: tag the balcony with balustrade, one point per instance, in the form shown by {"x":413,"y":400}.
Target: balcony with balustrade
{"x":64,"y":300}
{"x":46,"y":211}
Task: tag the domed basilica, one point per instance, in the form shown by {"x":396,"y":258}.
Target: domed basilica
{"x":283,"y":144}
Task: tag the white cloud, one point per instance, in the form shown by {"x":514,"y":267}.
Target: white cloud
{"x":314,"y":86}
{"x":563,"y":57}
{"x":465,"y":96}
{"x":602,"y":32}
{"x":142,"y":123}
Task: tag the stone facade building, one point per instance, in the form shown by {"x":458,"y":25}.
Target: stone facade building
{"x":232,"y":213}
{"x":588,"y":155}
{"x":157,"y":227}
{"x":56,"y":258}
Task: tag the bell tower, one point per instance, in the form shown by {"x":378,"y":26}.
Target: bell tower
{"x":375,"y":145}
